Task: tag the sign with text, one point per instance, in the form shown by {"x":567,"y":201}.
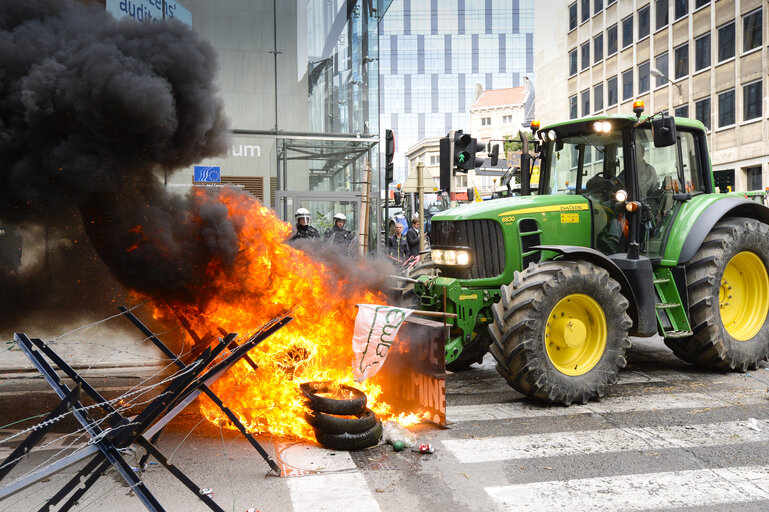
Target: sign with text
{"x":151,"y":10}
{"x":204,"y":174}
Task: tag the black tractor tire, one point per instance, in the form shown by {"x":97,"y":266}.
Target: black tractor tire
{"x":332,"y":424}
{"x":711,"y":345}
{"x":473,"y":352}
{"x":408,"y":299}
{"x":522,"y":319}
{"x":351,"y":442}
{"x":355,"y":404}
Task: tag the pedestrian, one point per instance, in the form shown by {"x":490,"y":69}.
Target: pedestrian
{"x":338,"y":234}
{"x":398,"y":246}
{"x":412,"y":236}
{"x":303,"y":228}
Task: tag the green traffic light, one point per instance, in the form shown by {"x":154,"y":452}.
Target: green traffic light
{"x":461,"y":158}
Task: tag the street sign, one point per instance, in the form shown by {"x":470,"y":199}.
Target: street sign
{"x":149,"y":10}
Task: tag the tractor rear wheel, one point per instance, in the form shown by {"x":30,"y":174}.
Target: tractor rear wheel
{"x":729,"y":298}
{"x":560,"y":331}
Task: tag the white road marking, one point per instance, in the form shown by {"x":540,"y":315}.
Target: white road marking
{"x":563,"y":444}
{"x":659,"y":491}
{"x":616,"y":404}
{"x":337,"y":492}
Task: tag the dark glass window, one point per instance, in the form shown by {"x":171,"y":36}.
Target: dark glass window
{"x":643,"y":77}
{"x":598,"y":5}
{"x":611,"y":91}
{"x":598,"y":97}
{"x":643,"y":22}
{"x":585,"y":55}
{"x":702,"y":111}
{"x":627,"y":31}
{"x":585,"y":10}
{"x":586,"y":102}
{"x":661,"y":64}
{"x":682,"y":111}
{"x":627,"y":84}
{"x":751,"y":31}
{"x":753,"y":175}
{"x":702,"y":52}
{"x":682,"y":60}
{"x":726,"y":108}
{"x":700,"y":3}
{"x":661,"y":13}
{"x":609,"y":2}
{"x":751,"y":101}
{"x":611,"y":40}
{"x":726,"y":42}
{"x":573,"y":16}
{"x":573,"y":62}
{"x":598,"y":48}
{"x":682,"y":8}
{"x":573,"y":107}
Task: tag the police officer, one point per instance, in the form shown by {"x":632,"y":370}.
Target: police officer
{"x":303,"y":228}
{"x":338,"y":234}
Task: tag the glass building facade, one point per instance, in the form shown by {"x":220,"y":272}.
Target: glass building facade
{"x":300,"y":85}
{"x":436,"y":55}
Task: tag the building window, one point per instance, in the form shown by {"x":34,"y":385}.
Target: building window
{"x":597,"y":48}
{"x":573,"y":16}
{"x":573,"y":62}
{"x":598,"y":5}
{"x":598,"y":97}
{"x":751,"y":31}
{"x":507,"y":119}
{"x":627,"y":31}
{"x":611,"y":91}
{"x":700,"y":3}
{"x":726,"y":42}
{"x":661,"y":13}
{"x":682,"y":111}
{"x":627,"y":84}
{"x":643,"y":77}
{"x":585,"y":10}
{"x":643,"y":22}
{"x":702,"y":52}
{"x":585,"y":55}
{"x":586,"y":102}
{"x":485,"y":121}
{"x":661,"y":65}
{"x":726,"y":108}
{"x":682,"y":8}
{"x":702,"y":111}
{"x":573,"y":107}
{"x":435,"y":159}
{"x":682,"y":60}
{"x":751,"y":101}
{"x":611,"y":40}
{"x":609,"y":2}
{"x":753,"y":175}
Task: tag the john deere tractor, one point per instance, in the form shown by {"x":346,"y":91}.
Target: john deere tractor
{"x":621,"y":234}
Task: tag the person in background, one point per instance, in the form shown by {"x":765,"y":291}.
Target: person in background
{"x":398,"y":246}
{"x":303,"y":228}
{"x":412,"y":236}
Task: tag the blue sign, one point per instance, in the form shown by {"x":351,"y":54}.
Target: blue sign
{"x":205,"y":174}
{"x":149,"y":10}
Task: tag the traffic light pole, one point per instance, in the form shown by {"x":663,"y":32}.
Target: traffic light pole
{"x":452,"y":194}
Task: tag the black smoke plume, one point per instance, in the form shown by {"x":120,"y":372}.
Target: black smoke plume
{"x":93,"y":112}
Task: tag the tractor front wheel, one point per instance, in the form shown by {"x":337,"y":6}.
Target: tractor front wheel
{"x":729,"y":298}
{"x":560,"y":331}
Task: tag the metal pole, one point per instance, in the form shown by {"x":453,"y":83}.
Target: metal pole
{"x":452,"y":194}
{"x":421,"y":209}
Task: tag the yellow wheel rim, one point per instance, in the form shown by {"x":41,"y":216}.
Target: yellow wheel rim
{"x":743,"y":297}
{"x":575,"y":334}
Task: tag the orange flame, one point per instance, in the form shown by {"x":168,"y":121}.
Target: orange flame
{"x":268,"y":278}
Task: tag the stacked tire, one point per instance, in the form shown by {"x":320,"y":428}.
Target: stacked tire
{"x":341,"y":422}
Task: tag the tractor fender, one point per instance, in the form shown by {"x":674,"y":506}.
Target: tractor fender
{"x":643,"y":323}
{"x":726,"y":207}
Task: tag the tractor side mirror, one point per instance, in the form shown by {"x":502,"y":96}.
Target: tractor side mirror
{"x":664,"y":131}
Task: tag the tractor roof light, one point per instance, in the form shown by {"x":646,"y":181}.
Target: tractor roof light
{"x":534,"y":126}
{"x":638,"y":108}
{"x":602,"y":126}
{"x":552,"y":135}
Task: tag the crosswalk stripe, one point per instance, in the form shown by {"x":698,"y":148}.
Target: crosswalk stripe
{"x":561,"y":444}
{"x":649,"y":491}
{"x":615,"y":404}
{"x":336,"y":492}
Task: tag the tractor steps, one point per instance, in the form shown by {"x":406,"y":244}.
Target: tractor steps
{"x":672,"y":317}
{"x":667,"y":305}
{"x":677,"y":334}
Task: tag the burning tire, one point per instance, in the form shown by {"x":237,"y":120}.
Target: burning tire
{"x":729,"y":298}
{"x":560,"y":331}
{"x":350,"y":442}
{"x":329,"y":398}
{"x":331,"y":424}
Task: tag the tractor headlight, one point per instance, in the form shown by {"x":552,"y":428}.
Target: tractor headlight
{"x":451,"y":257}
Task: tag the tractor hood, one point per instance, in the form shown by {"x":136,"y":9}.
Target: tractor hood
{"x":499,"y":208}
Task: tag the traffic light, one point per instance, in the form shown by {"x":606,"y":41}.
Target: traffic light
{"x":389,"y":152}
{"x":445,"y":161}
{"x":493,"y":154}
{"x":464,"y":151}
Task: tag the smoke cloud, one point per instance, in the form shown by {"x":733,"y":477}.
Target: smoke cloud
{"x":93,"y":111}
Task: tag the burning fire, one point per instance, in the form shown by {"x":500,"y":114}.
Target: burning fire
{"x":270,"y":277}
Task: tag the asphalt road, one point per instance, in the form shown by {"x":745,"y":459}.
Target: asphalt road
{"x":668,"y":436}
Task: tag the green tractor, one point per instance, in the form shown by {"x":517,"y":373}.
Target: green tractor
{"x":622,"y":235}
